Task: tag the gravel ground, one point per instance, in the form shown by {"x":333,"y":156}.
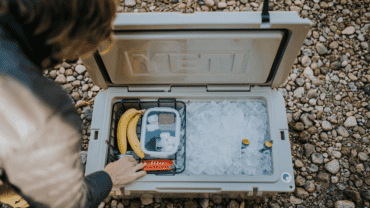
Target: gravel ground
{"x":327,"y":108}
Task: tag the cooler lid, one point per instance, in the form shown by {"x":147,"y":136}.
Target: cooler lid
{"x":200,"y":48}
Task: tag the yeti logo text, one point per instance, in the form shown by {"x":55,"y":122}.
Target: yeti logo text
{"x":226,"y":63}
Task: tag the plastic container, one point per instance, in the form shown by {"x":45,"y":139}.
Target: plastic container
{"x":160,"y":132}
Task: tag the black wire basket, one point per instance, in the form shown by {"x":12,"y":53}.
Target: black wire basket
{"x":121,"y":106}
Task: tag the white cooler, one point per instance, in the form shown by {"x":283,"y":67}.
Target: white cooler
{"x":172,"y":59}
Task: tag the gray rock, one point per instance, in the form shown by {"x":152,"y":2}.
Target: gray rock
{"x":313,"y":168}
{"x":222,"y":5}
{"x":53,"y":74}
{"x":298,"y":163}
{"x":107,"y":200}
{"x":334,"y":45}
{"x":69,"y":72}
{"x":309,"y":149}
{"x":204,"y":203}
{"x":209,"y":3}
{"x":274,"y":206}
{"x":244,"y":1}
{"x":332,"y":166}
{"x":71,"y":78}
{"x":326,"y":126}
{"x":300,"y":181}
{"x":299,"y":92}
{"x":309,"y":186}
{"x":301,"y":193}
{"x":306,"y":61}
{"x":120,"y":205}
{"x":363,"y":156}
{"x":334,"y":179}
{"x":321,"y":49}
{"x":323,"y":136}
{"x":344,"y":204}
{"x":350,"y":122}
{"x":305,"y":119}
{"x":85,"y":87}
{"x":75,"y":96}
{"x":217,"y":199}
{"x":233,"y":204}
{"x":304,"y":136}
{"x":76,"y":83}
{"x":88,"y":112}
{"x":83,"y":157}
{"x":80,"y":69}
{"x":308,"y":42}
{"x":335,"y":78}
{"x":130,"y":3}
{"x":311,"y":94}
{"x":323,"y":178}
{"x":61,"y":79}
{"x":114,"y":203}
{"x":349,"y":30}
{"x":342,"y":131}
{"x":354,"y":195}
{"x":170,"y":205}
{"x":300,"y":82}
{"x":95,"y":88}
{"x":337,"y":154}
{"x":294,"y":200}
{"x":317,"y":158}
{"x":299,"y":126}
{"x":364,"y":45}
{"x":146,"y":199}
{"x":307,"y":52}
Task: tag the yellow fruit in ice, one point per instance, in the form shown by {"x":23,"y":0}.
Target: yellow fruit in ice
{"x":132,"y":136}
{"x":122,"y":128}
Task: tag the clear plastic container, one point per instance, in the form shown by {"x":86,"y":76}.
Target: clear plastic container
{"x":160,"y":133}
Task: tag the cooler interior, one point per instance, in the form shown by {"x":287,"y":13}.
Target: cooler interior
{"x":180,"y":158}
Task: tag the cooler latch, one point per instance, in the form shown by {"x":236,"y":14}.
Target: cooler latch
{"x":265,"y":12}
{"x":228,"y":88}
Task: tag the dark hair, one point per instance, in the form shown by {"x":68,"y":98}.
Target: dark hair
{"x":65,"y":27}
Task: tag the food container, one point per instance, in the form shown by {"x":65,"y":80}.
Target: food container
{"x":172,"y":60}
{"x":160,"y":132}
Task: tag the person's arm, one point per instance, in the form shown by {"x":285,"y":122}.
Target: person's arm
{"x":40,"y":153}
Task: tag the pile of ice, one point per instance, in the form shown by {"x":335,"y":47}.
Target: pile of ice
{"x":214,"y":138}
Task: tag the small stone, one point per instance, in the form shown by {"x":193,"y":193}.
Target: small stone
{"x":300,"y":181}
{"x":317,"y":158}
{"x":294,"y":200}
{"x":306,"y":61}
{"x":342,"y":131}
{"x":300,"y":82}
{"x":364,"y":45}
{"x":350,"y":122}
{"x":311,"y":94}
{"x":321,"y":49}
{"x":95,"y":88}
{"x":326,"y":126}
{"x":298,"y":93}
{"x":61,"y":79}
{"x":337,"y":154}
{"x":66,"y":65}
{"x":313,"y":168}
{"x":85,"y":87}
{"x":182,"y":6}
{"x":301,"y":193}
{"x":80,"y":69}
{"x":244,"y":1}
{"x":170,"y":205}
{"x":209,"y":3}
{"x":222,"y":5}
{"x":298,"y":164}
{"x":363,"y":156}
{"x":352,"y":77}
{"x":53,"y":74}
{"x":349,"y":30}
{"x":299,"y":126}
{"x":308,"y":73}
{"x":334,"y":45}
{"x":304,"y":136}
{"x":146,"y":199}
{"x":71,"y":78}
{"x":190,"y":204}
{"x":120,"y":205}
{"x":344,"y":204}
{"x":130,"y":3}
{"x":360,"y":168}
{"x":83,"y":157}
{"x":75,"y":96}
{"x":323,"y":179}
{"x":231,"y":3}
{"x":332,"y":166}
{"x":232,"y":204}
{"x":114,"y":203}
{"x":204,"y":203}
{"x":309,"y":149}
{"x":76,"y":83}
{"x":101,"y":205}
{"x":217,"y":199}
{"x":334,"y":179}
{"x":88,"y":112}
{"x":309,"y":186}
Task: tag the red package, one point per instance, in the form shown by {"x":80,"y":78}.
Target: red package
{"x":152,"y":165}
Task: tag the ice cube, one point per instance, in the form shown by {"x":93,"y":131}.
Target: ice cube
{"x":153,"y":119}
{"x":152,"y":127}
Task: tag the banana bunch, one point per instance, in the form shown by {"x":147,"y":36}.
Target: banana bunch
{"x":126,"y":130}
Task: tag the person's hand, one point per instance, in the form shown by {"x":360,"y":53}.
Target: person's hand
{"x":123,"y":171}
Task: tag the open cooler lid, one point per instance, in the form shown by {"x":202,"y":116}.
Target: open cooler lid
{"x":203,"y":48}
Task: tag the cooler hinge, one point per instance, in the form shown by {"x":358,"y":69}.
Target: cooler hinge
{"x":149,"y":88}
{"x":228,"y":88}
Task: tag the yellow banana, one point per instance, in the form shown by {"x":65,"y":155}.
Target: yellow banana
{"x":132,"y":136}
{"x":122,"y":128}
